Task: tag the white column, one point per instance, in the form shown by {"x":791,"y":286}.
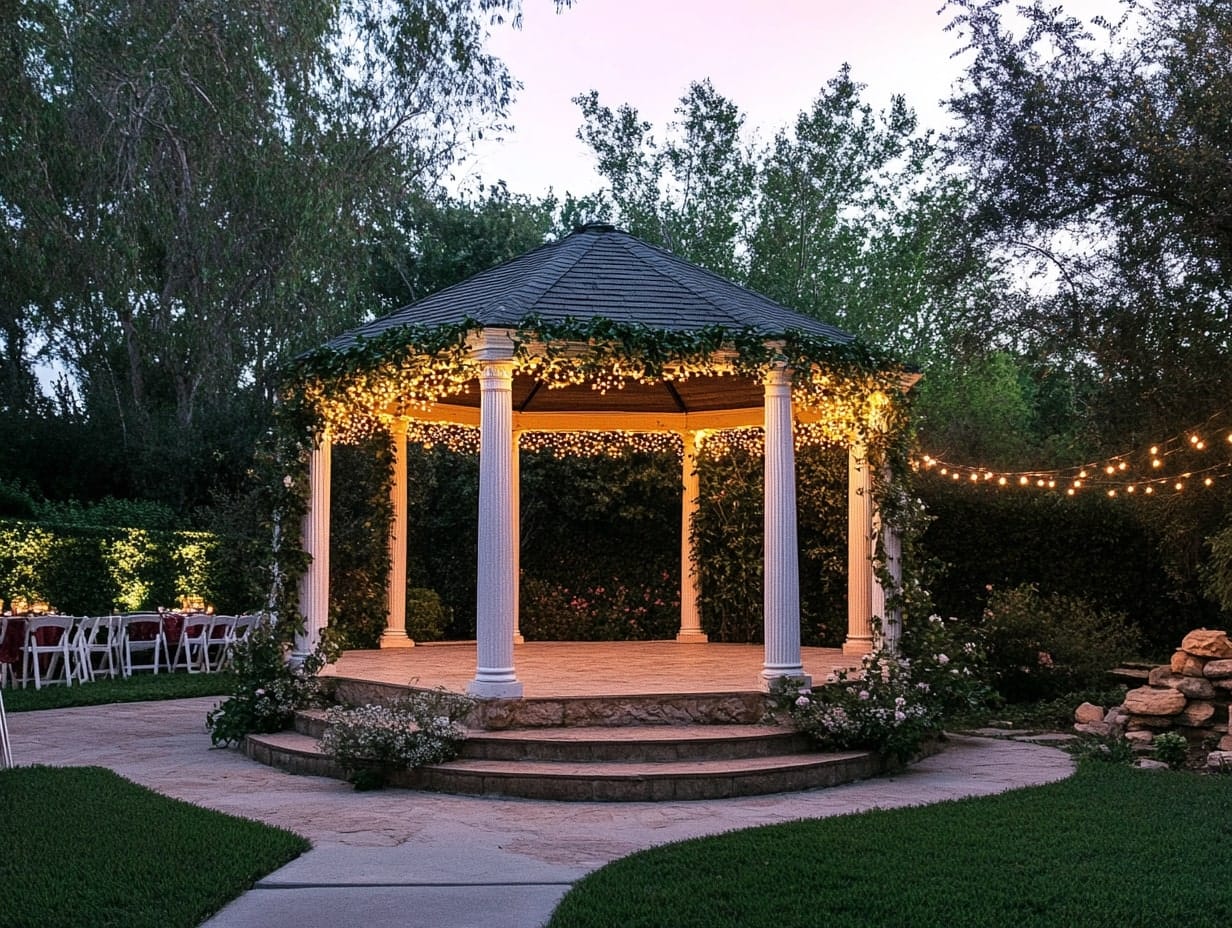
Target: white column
{"x":394,"y":635}
{"x":494,"y":672}
{"x":690,"y":617}
{"x":782,"y":554}
{"x":860,"y":534}
{"x":891,"y":619}
{"x":515,"y":488}
{"x":314,"y":533}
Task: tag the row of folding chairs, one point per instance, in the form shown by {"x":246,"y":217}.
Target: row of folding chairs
{"x":69,"y":649}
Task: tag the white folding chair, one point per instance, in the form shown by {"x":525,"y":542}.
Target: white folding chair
{"x":6,"y":751}
{"x":142,"y":632}
{"x":192,"y":650}
{"x":12,"y":633}
{"x":83,"y":628}
{"x":50,"y":635}
{"x":101,"y":638}
{"x":237,"y":630}
{"x":219,"y":646}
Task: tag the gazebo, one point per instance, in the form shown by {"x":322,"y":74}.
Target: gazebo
{"x":601,"y":331}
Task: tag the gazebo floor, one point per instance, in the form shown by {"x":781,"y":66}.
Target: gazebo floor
{"x":586,"y":683}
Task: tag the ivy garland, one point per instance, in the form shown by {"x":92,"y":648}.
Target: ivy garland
{"x":357,"y":390}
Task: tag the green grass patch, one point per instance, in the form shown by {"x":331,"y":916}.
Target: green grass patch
{"x":137,"y":688}
{"x":83,"y":846}
{"x":1111,"y":846}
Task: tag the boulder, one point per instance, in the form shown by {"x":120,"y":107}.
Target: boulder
{"x":1196,"y":714}
{"x":1224,"y":684}
{"x":1219,"y":760}
{"x":1146,"y":763}
{"x":1188,"y":664}
{"x":1207,"y":642}
{"x":1088,"y":712}
{"x":1148,"y":723}
{"x":1196,"y":687}
{"x":1147,"y":700}
{"x":1140,"y":739}
{"x":1218,"y":670}
{"x":1225,"y":743}
{"x":1100,"y":729}
{"x":1163,"y":676}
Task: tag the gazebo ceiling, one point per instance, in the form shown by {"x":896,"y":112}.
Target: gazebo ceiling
{"x":599,"y":272}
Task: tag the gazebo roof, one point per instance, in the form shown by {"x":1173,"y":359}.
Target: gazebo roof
{"x":600,"y":272}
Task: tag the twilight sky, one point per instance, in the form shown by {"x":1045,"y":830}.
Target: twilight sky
{"x":770,"y":57}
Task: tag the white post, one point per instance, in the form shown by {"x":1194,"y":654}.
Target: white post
{"x":395,"y":635}
{"x":494,"y":672}
{"x":314,"y":532}
{"x":515,"y":489}
{"x":860,"y":534}
{"x":690,"y":617}
{"x":782,"y":554}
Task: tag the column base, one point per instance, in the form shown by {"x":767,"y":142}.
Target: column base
{"x":486,"y":689}
{"x":768,"y":679}
{"x":518,"y":639}
{"x":693,"y":638}
{"x":395,"y":640}
{"x":858,"y":647}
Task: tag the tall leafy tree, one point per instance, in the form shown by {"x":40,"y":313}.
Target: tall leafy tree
{"x":1102,"y":157}
{"x":192,"y":190}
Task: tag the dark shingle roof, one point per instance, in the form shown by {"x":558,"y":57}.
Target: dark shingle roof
{"x":600,"y":272}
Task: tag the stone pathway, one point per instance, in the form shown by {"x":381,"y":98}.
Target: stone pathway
{"x":421,"y":859}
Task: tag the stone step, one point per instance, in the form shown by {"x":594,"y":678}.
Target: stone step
{"x":644,"y":743}
{"x":627,"y":781}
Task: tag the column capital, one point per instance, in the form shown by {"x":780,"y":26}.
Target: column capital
{"x":492,"y":345}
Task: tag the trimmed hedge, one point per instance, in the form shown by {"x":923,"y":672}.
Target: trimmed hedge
{"x":88,"y":570}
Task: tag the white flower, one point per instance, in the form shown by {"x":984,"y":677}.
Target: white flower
{"x":942,"y":660}
{"x":864,"y":694}
{"x":802,"y":701}
{"x":900,"y":701}
{"x":806,"y":692}
{"x":288,"y":480}
{"x":900,"y":716}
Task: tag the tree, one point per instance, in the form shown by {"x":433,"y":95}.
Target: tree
{"x":193,"y":191}
{"x":691,"y":193}
{"x":1102,"y":158}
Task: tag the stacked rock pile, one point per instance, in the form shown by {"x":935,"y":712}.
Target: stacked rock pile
{"x":1189,"y":696}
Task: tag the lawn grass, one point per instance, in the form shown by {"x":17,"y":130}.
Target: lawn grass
{"x":137,"y":688}
{"x":84,"y":846}
{"x":1111,"y":846}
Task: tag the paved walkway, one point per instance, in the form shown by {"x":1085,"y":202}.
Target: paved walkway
{"x":433,"y":861}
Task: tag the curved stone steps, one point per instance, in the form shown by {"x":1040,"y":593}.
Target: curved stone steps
{"x":633,"y":763}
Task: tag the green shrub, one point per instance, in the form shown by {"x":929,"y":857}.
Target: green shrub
{"x":1217,"y":571}
{"x":1172,"y":748}
{"x":1042,"y":646}
{"x":268,"y":687}
{"x":426,"y":618}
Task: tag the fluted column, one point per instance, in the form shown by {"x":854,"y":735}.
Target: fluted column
{"x":782,"y":554}
{"x":891,"y":619}
{"x":690,"y":616}
{"x":494,"y":672}
{"x":314,"y":534}
{"x":515,"y":492}
{"x":395,"y":635}
{"x":860,"y":550}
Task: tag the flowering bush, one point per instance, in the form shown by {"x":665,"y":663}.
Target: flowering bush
{"x":268,"y":688}
{"x":369,"y":741}
{"x":892,"y":702}
{"x":1042,"y":646}
{"x":612,"y":610}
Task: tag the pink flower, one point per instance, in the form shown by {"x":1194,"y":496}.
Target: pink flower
{"x":802,"y":701}
{"x":864,"y":694}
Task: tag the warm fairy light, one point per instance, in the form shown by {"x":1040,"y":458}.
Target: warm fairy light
{"x":1120,"y":475}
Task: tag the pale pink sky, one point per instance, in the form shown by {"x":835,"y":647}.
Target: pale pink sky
{"x":770,"y":57}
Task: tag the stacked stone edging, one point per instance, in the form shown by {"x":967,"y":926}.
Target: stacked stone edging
{"x":1189,"y":695}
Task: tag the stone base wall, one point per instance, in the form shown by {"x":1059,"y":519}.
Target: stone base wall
{"x":1189,"y":695}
